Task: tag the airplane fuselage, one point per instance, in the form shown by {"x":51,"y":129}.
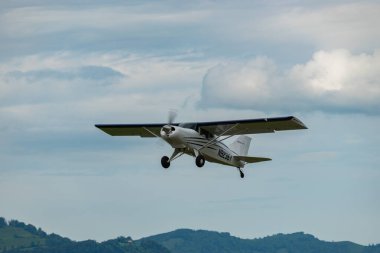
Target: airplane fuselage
{"x":193,"y":143}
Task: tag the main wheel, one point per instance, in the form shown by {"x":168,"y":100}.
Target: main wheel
{"x":165,"y":162}
{"x":241,"y":174}
{"x":200,"y":161}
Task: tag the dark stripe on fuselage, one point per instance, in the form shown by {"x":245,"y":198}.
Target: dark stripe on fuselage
{"x":201,"y":145}
{"x":206,"y":141}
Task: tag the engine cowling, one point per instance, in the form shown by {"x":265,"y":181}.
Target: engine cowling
{"x":167,"y":130}
{"x":173,"y":136}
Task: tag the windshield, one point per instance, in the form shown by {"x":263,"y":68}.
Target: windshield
{"x":193,"y":126}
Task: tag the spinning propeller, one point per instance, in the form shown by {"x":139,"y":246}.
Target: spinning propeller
{"x":171,"y":117}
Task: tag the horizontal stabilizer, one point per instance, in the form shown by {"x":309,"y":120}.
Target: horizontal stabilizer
{"x":252,"y":159}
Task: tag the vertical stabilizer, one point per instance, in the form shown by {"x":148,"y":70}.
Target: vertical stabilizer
{"x":241,"y":145}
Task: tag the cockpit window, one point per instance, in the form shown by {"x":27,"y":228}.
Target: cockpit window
{"x":206,"y":134}
{"x":193,"y":126}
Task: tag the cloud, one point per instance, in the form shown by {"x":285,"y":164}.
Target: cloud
{"x":238,"y":84}
{"x":85,"y":72}
{"x":347,"y":25}
{"x":331,"y":81}
{"x":20,"y":87}
{"x":124,"y":26}
{"x":214,"y":29}
{"x":341,"y":80}
{"x":66,"y":92}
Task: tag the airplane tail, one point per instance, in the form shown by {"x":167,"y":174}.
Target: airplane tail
{"x":252,"y":159}
{"x":241,"y":145}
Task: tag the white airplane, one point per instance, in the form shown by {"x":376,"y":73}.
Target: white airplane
{"x":204,"y":140}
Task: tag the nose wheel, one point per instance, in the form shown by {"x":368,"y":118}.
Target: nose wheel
{"x":165,"y":162}
{"x":200,"y":161}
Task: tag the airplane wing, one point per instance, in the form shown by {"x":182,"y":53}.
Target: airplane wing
{"x":142,"y":130}
{"x":232,"y":127}
{"x":252,"y":126}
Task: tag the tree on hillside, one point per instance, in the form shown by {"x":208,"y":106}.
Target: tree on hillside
{"x":3,"y":222}
{"x":17,"y":224}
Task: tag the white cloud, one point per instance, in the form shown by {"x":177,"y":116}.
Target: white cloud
{"x":221,"y":29}
{"x":334,"y":80}
{"x":339,"y":78}
{"x":238,"y":84}
{"x":348,"y":25}
{"x":44,"y":92}
{"x":31,"y":21}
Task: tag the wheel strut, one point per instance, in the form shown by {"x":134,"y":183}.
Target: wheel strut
{"x":241,"y":173}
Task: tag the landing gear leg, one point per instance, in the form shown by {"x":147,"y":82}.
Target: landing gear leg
{"x":241,"y":173}
{"x":165,"y":161}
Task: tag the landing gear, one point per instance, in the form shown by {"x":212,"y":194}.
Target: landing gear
{"x":165,"y":162}
{"x":241,"y":173}
{"x":200,"y":161}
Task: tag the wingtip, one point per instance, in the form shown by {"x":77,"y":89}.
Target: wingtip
{"x":299,"y":122}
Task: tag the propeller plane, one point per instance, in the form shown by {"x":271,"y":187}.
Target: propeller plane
{"x":204,"y":140}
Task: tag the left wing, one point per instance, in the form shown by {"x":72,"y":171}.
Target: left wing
{"x":232,"y":127}
{"x":142,"y":130}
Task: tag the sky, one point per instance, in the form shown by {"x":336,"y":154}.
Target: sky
{"x":67,"y":65}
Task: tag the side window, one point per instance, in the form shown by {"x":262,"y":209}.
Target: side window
{"x":206,"y":134}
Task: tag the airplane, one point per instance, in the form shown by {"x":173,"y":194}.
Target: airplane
{"x":204,"y":140}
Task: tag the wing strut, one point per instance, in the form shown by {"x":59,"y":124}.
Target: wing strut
{"x":146,"y":129}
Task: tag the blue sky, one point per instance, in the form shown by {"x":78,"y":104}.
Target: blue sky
{"x":67,"y":65}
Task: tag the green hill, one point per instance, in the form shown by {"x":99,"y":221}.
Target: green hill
{"x":18,"y":237}
{"x":201,"y":241}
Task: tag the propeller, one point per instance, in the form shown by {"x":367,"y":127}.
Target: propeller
{"x":171,"y":116}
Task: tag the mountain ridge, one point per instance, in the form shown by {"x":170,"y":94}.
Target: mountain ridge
{"x":17,"y":237}
{"x":186,"y":240}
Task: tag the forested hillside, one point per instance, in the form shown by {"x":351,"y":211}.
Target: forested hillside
{"x":18,"y":237}
{"x":201,"y":241}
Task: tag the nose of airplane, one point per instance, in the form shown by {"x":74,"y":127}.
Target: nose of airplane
{"x":167,"y":130}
